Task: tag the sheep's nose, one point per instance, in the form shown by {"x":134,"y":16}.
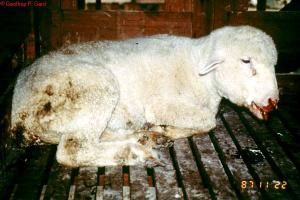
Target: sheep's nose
{"x":272,"y":103}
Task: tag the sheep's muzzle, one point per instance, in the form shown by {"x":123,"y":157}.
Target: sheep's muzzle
{"x":262,"y":112}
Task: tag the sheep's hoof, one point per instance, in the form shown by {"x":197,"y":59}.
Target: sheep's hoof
{"x":154,"y":162}
{"x":154,"y":140}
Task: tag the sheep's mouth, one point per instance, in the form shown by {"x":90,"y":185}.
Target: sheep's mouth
{"x":262,"y":112}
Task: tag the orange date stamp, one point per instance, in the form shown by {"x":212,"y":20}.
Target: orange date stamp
{"x":274,"y":184}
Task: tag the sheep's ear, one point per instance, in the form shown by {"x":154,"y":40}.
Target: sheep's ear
{"x":209,"y":67}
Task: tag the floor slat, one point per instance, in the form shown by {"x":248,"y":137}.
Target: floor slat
{"x":165,"y":178}
{"x":138,"y":182}
{"x":214,"y":168}
{"x":113,"y":183}
{"x":86,"y":183}
{"x":30,"y":182}
{"x":192,"y":180}
{"x":235,"y":163}
{"x":260,"y":169}
{"x":12,"y":166}
{"x":285,"y":169}
{"x":285,"y":139}
{"x":59,"y":182}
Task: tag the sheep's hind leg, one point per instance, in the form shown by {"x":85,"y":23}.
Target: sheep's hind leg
{"x":93,"y":112}
{"x":149,"y":142}
{"x":141,"y":147}
{"x":78,"y":150}
{"x":50,"y":101}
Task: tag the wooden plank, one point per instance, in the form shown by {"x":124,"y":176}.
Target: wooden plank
{"x":113,"y":183}
{"x":69,"y":4}
{"x":86,"y":26}
{"x":115,"y":1}
{"x":289,"y":120}
{"x":150,"y":1}
{"x":285,"y":139}
{"x":100,"y":193}
{"x":79,"y":26}
{"x":71,"y":195}
{"x":285,"y":169}
{"x":200,"y":19}
{"x":11,"y":167}
{"x":171,"y":20}
{"x":42,"y":195}
{"x":233,"y":160}
{"x":30,"y":183}
{"x":218,"y":13}
{"x":55,"y":32}
{"x":179,"y":5}
{"x":191,"y":178}
{"x":86,"y":183}
{"x":130,"y":24}
{"x":239,"y":5}
{"x":151,"y":193}
{"x":126,"y":193}
{"x":288,"y":109}
{"x":214,"y":168}
{"x":138,"y":182}
{"x":132,"y":7}
{"x":59,"y":182}
{"x":90,"y":17}
{"x":288,"y":84}
{"x":252,"y":155}
{"x":12,"y":196}
{"x":165,"y":178}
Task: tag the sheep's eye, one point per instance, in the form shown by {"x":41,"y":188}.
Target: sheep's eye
{"x":246,"y":61}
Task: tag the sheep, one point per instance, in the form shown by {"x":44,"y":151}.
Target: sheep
{"x":118,"y":102}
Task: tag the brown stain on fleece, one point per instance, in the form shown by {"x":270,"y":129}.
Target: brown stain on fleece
{"x":71,"y":145}
{"x":68,"y":52}
{"x":49,"y":90}
{"x":50,"y":102}
{"x":23,"y":115}
{"x":45,"y":110}
{"x":70,"y":92}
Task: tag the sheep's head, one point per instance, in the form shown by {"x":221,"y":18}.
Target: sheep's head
{"x":243,"y":59}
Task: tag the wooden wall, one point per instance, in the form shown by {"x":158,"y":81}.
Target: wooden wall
{"x":283,"y":26}
{"x":112,"y":21}
{"x":65,"y":21}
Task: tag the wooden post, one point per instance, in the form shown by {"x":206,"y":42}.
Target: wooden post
{"x":69,"y":4}
{"x":261,"y":5}
{"x":30,"y":51}
{"x":220,"y":13}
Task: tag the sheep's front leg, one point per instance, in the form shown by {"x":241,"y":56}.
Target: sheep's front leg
{"x":173,"y":133}
{"x":178,"y":121}
{"x":176,"y":133}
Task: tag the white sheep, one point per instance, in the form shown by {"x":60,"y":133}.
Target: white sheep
{"x":115,"y":102}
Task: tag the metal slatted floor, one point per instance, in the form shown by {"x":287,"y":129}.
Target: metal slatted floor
{"x":242,"y":158}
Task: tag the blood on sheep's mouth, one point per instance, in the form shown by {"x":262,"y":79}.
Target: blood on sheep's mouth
{"x":262,"y":112}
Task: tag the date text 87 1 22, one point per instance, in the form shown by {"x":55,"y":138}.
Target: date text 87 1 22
{"x":274,"y":184}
